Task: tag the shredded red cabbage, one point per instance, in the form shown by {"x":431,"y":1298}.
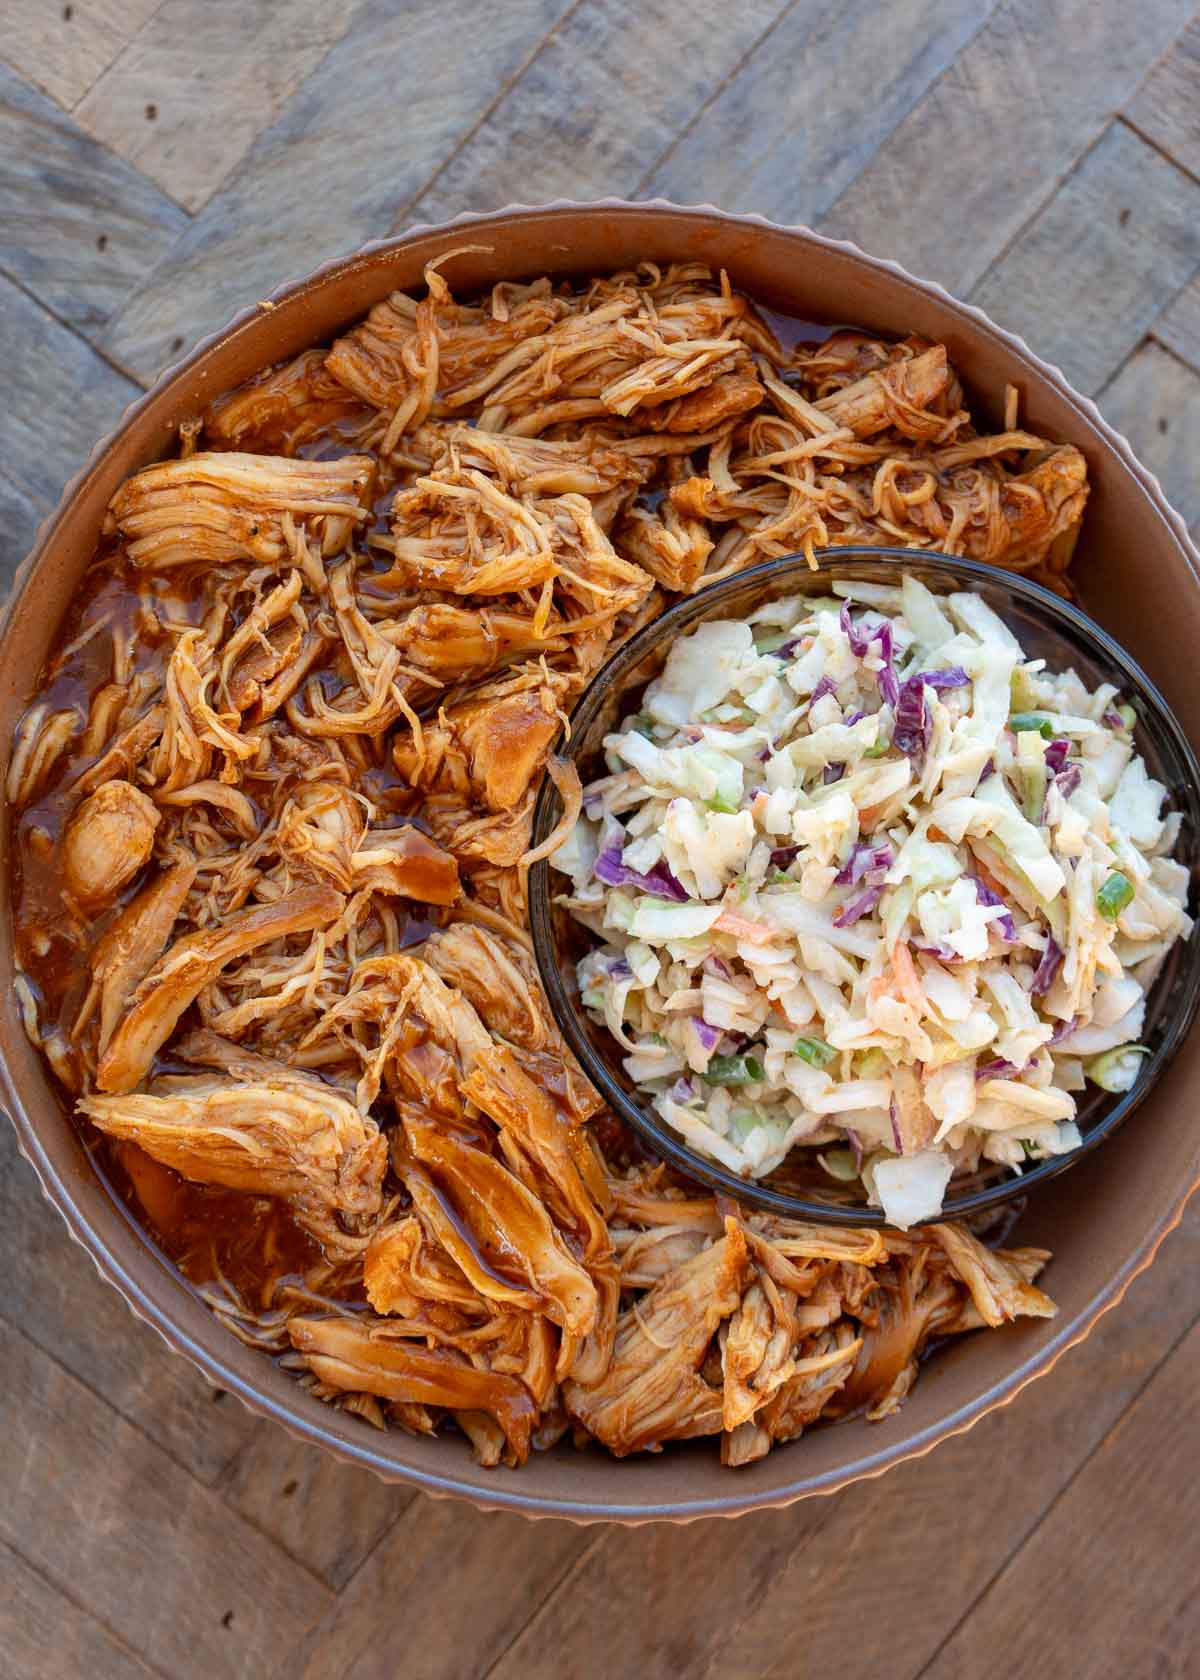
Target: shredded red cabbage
{"x":860,"y":646}
{"x":894,"y":1117}
{"x":824,"y":687}
{"x":783,"y":855}
{"x":832,"y":773}
{"x":1056,"y":753}
{"x":997,"y":1069}
{"x":856,"y":907}
{"x":708,"y":1035}
{"x":989,"y":769}
{"x":952,"y":677}
{"x":415,"y":932}
{"x":658,"y":882}
{"x":1064,"y":1029}
{"x":714,"y":965}
{"x":853,"y":718}
{"x":1068,"y":780}
{"x":1047,"y":969}
{"x":985,"y":895}
{"x":620,"y":970}
{"x":682,"y":1090}
{"x":863,"y":859}
{"x":913,"y":724}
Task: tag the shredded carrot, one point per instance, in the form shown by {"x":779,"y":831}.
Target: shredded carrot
{"x":907,"y":983}
{"x":741,"y":927}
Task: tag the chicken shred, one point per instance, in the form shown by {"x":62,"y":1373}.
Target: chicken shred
{"x":274,"y":809}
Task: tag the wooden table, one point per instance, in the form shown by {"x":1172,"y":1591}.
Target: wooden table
{"x":163,"y":163}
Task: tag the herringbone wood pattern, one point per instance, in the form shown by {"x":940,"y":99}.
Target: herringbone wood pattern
{"x":164,"y":162}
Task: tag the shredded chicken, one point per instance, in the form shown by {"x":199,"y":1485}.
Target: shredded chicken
{"x":274,"y":811}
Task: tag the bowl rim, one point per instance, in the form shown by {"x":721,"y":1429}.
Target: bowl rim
{"x":674,"y":622}
{"x":212,"y":1354}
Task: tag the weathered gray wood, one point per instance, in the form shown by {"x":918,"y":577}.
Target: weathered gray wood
{"x":1166,"y":108}
{"x":467,"y":1584}
{"x":327,"y":1515}
{"x":44,"y":1636}
{"x":54,"y":1293}
{"x":1155,"y":401}
{"x":610,"y":88}
{"x":21,"y":512}
{"x":364,"y":134}
{"x":987,"y":146}
{"x":64,"y":47}
{"x":812,"y":105}
{"x":1178,"y":327}
{"x":109,"y":1517}
{"x":1088,"y":1595}
{"x":1087,"y":277}
{"x":968,"y":1506}
{"x":194,"y":90}
{"x":59,"y":397}
{"x":78,"y":227}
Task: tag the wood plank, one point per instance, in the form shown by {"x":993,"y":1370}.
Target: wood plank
{"x":44,"y":1636}
{"x":63,"y":47}
{"x":446,"y":1592}
{"x":110,"y":1518}
{"x":1087,"y":277}
{"x":53,"y":1291}
{"x":327,"y":1515}
{"x":21,"y":512}
{"x":988,"y":145}
{"x":656,"y":1601}
{"x":384,"y":108}
{"x":1178,"y":327}
{"x":1155,"y":401}
{"x":78,"y":227}
{"x":614,"y":86}
{"x":786,"y":146}
{"x":225,"y":70}
{"x":1107,"y":1585}
{"x":972,"y":1502}
{"x":1166,"y":108}
{"x":59,"y":397}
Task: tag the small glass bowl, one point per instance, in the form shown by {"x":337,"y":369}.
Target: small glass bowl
{"x":1046,"y":627}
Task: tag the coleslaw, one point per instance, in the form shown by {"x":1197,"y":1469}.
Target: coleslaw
{"x":868,"y":881}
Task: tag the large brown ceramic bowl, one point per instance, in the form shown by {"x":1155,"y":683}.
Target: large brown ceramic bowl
{"x":1137,"y":575}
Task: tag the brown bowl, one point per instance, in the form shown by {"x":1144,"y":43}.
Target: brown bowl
{"x":1103,"y":1221}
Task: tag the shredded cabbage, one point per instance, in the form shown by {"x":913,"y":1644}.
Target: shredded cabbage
{"x":852,"y":877}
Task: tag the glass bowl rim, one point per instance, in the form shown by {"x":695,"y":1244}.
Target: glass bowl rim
{"x":666,"y":1143}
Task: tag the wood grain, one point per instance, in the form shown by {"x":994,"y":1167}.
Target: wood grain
{"x":62,"y":48}
{"x":1007,"y":1470}
{"x":56,"y":1296}
{"x":476,"y":1579}
{"x":59,"y":397}
{"x":108,"y":1516}
{"x":200,"y":82}
{"x":792,"y":130}
{"x":21,"y":513}
{"x":1088,"y":276}
{"x":1178,"y":327}
{"x":77,"y":226}
{"x":1155,"y":401}
{"x":1105,"y":1605}
{"x":611,"y":87}
{"x":151,"y":1528}
{"x":47,"y":1637}
{"x":381,"y":112}
{"x":1166,"y":108}
{"x":326,"y":1515}
{"x":986,"y":148}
